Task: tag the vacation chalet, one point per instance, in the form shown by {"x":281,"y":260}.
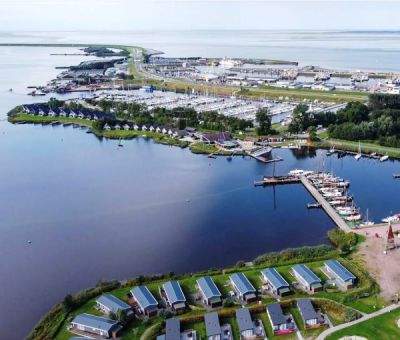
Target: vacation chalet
{"x":213,"y":327}
{"x":173,"y":296}
{"x":244,"y":290}
{"x":344,"y":278}
{"x":96,"y":325}
{"x":280,"y":323}
{"x":216,"y":137}
{"x":210,"y":293}
{"x":309,"y":281}
{"x":145,"y":301}
{"x":245,"y":323}
{"x":309,"y":314}
{"x":172,"y":330}
{"x":275,"y":282}
{"x":108,"y":303}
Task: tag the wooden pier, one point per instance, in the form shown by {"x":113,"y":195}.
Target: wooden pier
{"x":277,"y":180}
{"x":325,"y":205}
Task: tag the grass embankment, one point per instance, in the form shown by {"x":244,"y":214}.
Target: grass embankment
{"x":383,"y":327}
{"x":366,"y":147}
{"x":25,"y":118}
{"x":201,"y":148}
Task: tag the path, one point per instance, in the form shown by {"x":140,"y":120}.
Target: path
{"x":366,"y":317}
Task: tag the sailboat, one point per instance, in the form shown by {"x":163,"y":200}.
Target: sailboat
{"x":359,"y":155}
{"x":367,"y":222}
{"x":120,"y":143}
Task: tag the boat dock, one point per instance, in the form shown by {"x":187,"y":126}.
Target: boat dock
{"x":277,"y":180}
{"x":266,"y":160}
{"x":321,"y":202}
{"x":325,"y":205}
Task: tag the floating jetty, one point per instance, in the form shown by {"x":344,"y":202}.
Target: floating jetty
{"x":276,"y":180}
{"x":331,"y":212}
{"x":313,"y":205}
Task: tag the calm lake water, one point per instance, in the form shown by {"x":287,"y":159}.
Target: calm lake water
{"x":353,"y":50}
{"x":95,"y":211}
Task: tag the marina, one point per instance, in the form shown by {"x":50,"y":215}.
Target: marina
{"x":329,"y":193}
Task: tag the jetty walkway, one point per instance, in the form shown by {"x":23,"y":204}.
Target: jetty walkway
{"x":339,"y":221}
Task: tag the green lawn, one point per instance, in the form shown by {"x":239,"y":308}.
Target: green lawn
{"x":382,"y":327}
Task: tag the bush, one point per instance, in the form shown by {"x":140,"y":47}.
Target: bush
{"x":343,"y":241}
{"x":228,"y":302}
{"x":296,"y":255}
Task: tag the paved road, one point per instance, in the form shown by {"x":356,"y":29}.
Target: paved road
{"x":329,"y":331}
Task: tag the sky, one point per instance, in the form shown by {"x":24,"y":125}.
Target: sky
{"x":131,"y":15}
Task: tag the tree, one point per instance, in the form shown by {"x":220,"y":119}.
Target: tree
{"x":263,"y":119}
{"x":112,"y":315}
{"x":68,"y":303}
{"x":312,"y":132}
{"x":301,"y":119}
{"x":354,"y":112}
{"x":54,"y":103}
{"x":122,"y":316}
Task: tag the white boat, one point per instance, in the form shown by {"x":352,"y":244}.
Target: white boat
{"x":367,"y":222}
{"x":347,"y":212}
{"x":394,"y":218}
{"x":384,"y":158}
{"x":296,"y":172}
{"x":228,"y":63}
{"x":359,"y":155}
{"x":353,"y":218}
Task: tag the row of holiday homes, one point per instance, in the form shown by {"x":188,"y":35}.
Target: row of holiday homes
{"x":143,"y":304}
{"x":112,"y":123}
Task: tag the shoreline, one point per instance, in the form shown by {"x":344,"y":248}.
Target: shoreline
{"x":342,"y":145}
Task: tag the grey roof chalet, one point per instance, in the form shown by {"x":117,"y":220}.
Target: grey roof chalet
{"x":143,"y":297}
{"x":306,"y":274}
{"x":276,"y":314}
{"x":208,"y":287}
{"x":244,"y":320}
{"x":274,"y":278}
{"x":242,"y":283}
{"x":306,"y":309}
{"x":217,"y":136}
{"x":340,"y":270}
{"x":172,"y":329}
{"x":112,"y":303}
{"x":213,"y":326}
{"x":174,"y":292}
{"x":95,"y":322}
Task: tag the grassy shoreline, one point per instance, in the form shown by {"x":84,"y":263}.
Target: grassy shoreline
{"x":366,"y":147}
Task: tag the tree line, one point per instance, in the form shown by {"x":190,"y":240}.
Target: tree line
{"x":180,"y":117}
{"x":379,"y":120}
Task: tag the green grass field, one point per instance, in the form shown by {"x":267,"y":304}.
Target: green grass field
{"x":382,"y":327}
